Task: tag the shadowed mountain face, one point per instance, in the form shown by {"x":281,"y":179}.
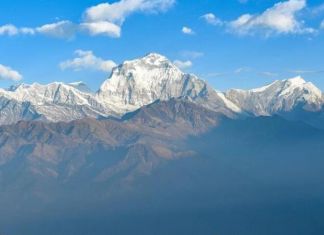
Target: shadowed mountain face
{"x":61,"y":150}
{"x":172,"y":167}
{"x":47,"y":161}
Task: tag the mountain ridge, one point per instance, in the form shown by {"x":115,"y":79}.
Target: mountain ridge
{"x":143,"y":81}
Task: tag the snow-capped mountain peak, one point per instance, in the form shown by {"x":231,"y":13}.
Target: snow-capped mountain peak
{"x":278,"y":97}
{"x":296,"y":80}
{"x":309,"y":89}
{"x":139,"y":82}
{"x":52,"y":102}
{"x":149,"y":62}
{"x":153,"y":59}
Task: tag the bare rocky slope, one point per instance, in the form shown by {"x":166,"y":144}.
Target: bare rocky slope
{"x":60,"y":151}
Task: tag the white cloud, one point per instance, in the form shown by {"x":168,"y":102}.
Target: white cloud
{"x":61,"y":29}
{"x":279,"y":19}
{"x":187,"y":30}
{"x":191,"y":54}
{"x":107,"y":18}
{"x":103,"y":19}
{"x":322,"y":25}
{"x":117,"y":12}
{"x":242,"y":70}
{"x":210,"y":18}
{"x":300,"y":71}
{"x":317,"y":10}
{"x":215,"y":74}
{"x":26,"y":30}
{"x":9,"y":30}
{"x":87,"y":60}
{"x":9,"y":74}
{"x":183,"y":64}
{"x":269,"y":74}
{"x":101,"y":28}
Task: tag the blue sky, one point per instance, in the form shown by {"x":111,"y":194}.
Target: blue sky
{"x":232,"y":43}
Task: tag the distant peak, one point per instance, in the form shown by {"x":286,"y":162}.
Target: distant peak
{"x":80,"y":86}
{"x":286,"y":84}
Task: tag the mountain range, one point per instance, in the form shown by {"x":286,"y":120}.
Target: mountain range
{"x":159,"y":151}
{"x":143,"y":81}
